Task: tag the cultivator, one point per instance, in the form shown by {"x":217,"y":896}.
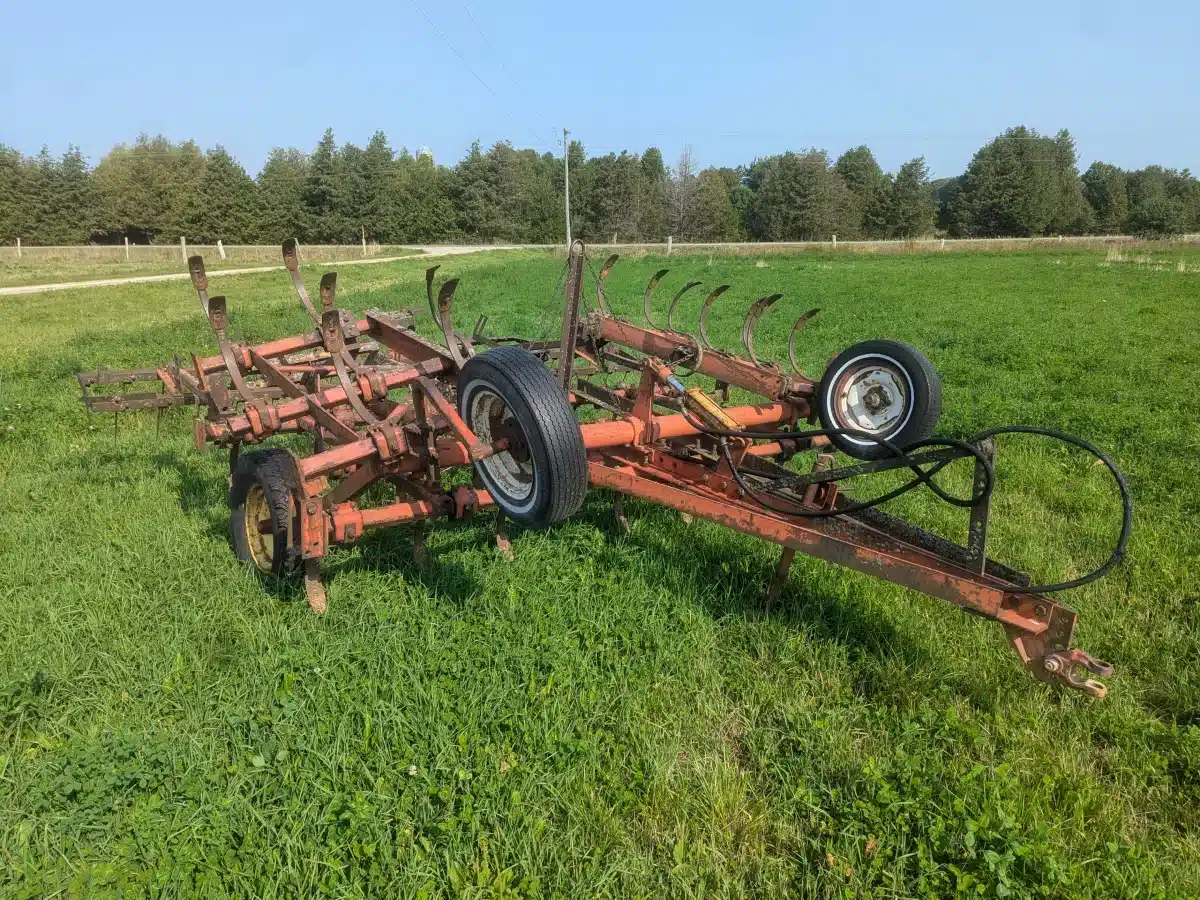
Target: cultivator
{"x":383,"y":404}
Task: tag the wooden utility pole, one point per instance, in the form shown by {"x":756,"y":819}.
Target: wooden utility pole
{"x":567,"y":182}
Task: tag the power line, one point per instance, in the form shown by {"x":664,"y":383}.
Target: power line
{"x":503,"y":67}
{"x":463,"y":60}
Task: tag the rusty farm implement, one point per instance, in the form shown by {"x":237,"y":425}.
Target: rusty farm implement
{"x":382,"y":403}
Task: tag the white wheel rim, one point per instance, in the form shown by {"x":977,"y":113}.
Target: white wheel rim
{"x":513,"y":477}
{"x":872,"y":394}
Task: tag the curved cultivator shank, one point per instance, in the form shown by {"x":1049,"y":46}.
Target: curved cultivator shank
{"x":381,"y":403}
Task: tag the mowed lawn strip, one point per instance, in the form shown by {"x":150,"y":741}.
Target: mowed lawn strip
{"x":607,"y":715}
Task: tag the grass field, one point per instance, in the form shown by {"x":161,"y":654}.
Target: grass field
{"x":607,"y":715}
{"x":44,"y":265}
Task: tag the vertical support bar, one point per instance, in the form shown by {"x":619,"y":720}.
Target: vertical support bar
{"x":567,"y":183}
{"x":574,"y":292}
{"x":780,"y":579}
{"x":977,"y":536}
{"x":503,"y":544}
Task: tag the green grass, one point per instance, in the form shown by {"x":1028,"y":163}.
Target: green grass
{"x":607,"y":715}
{"x":61,"y":266}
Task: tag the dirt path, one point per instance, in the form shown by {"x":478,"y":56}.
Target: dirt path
{"x":182,"y":276}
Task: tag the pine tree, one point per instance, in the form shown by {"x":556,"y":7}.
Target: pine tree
{"x":911,"y":209}
{"x":425,"y":212}
{"x":1107,"y":193}
{"x":870,"y":187}
{"x":282,"y":211}
{"x":715,"y":217}
{"x":798,"y":197}
{"x":225,"y":203}
{"x":15,"y":217}
{"x":652,"y":198}
{"x":322,"y":192}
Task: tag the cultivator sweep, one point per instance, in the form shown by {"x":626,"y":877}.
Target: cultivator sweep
{"x":384,"y":404}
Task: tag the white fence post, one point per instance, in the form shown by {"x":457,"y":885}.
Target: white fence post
{"x":835,"y":242}
{"x":943,"y":243}
{"x":364,"y":239}
{"x":221,"y":248}
{"x":126,"y":248}
{"x":18,"y":248}
{"x":668,"y":245}
{"x":183,"y":247}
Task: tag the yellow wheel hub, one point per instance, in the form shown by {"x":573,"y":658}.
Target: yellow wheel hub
{"x":260,"y":536}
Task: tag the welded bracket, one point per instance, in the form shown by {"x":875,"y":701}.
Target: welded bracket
{"x":978,"y":533}
{"x":570,"y":326}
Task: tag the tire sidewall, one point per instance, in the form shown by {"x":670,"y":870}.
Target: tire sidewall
{"x":493,"y":379}
{"x":921,"y":410}
{"x":256,"y":469}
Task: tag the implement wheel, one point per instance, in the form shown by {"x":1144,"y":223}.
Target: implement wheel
{"x":881,"y":388}
{"x":542,"y":477}
{"x":262,"y":503}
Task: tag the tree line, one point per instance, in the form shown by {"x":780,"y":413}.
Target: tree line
{"x":1019,"y":184}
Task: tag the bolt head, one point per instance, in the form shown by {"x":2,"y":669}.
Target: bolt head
{"x":1052,"y":665}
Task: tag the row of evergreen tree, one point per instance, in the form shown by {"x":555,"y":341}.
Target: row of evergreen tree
{"x":1019,"y":184}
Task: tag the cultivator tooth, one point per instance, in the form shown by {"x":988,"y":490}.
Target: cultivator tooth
{"x":218,"y":316}
{"x":797,"y":327}
{"x":753,"y":314}
{"x":604,"y":270}
{"x":328,"y":291}
{"x":650,"y":286}
{"x":430,"y":274}
{"x":708,"y":302}
{"x":675,"y":302}
{"x":291,"y":260}
{"x":457,"y":343}
{"x":199,"y":280}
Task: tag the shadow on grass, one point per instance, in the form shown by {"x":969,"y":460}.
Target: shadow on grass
{"x":877,"y":649}
{"x":201,"y":493}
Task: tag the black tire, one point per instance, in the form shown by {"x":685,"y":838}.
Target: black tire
{"x":508,"y":391}
{"x":263,"y":482}
{"x":919,"y":400}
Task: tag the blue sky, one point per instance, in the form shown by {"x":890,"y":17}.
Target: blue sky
{"x":734,"y":81}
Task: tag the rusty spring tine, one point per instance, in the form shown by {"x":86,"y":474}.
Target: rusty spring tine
{"x":674,"y":302}
{"x":292,"y":261}
{"x":199,"y":280}
{"x":218,"y":317}
{"x":480,"y":326}
{"x":329,"y":302}
{"x":708,"y":302}
{"x":328,"y":291}
{"x":604,"y":270}
{"x":797,"y":327}
{"x":430,"y":274}
{"x":650,"y":286}
{"x":456,"y":341}
{"x":334,"y":340}
{"x":757,"y":308}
